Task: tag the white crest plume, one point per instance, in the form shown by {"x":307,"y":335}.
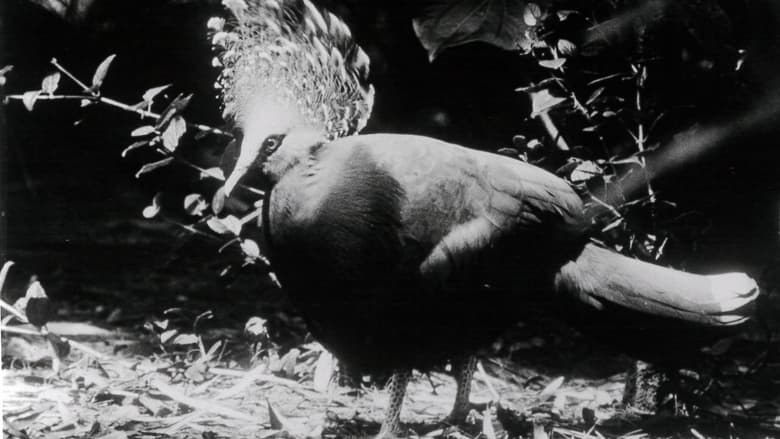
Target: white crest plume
{"x":287,"y":52}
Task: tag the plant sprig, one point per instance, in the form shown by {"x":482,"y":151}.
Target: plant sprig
{"x":162,"y":136}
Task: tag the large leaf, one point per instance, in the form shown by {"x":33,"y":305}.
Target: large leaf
{"x":448,"y":23}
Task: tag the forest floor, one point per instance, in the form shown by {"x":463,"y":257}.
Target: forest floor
{"x":161,"y":350}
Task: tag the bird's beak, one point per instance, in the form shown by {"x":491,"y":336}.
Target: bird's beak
{"x":245,"y":160}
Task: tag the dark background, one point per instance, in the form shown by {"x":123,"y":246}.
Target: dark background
{"x":72,"y":207}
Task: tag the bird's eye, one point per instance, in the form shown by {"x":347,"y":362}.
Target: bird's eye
{"x":272,"y":142}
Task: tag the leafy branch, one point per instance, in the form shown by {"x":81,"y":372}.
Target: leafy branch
{"x":162,"y":136}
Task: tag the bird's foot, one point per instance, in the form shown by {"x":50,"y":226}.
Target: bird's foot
{"x":461,"y":415}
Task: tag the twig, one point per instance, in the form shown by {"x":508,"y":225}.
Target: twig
{"x":181,"y":422}
{"x":73,"y":78}
{"x":551,"y":128}
{"x":17,"y":330}
{"x":574,"y":433}
{"x":640,"y":135}
{"x":293,"y":385}
{"x":250,"y":216}
{"x":94,"y":95}
{"x":47,"y":97}
{"x":85,"y":349}
{"x":206,"y":406}
{"x":116,"y":104}
{"x":606,"y":205}
{"x":152,"y":115}
{"x":74,"y":344}
{"x":13,"y":311}
{"x":242,"y":383}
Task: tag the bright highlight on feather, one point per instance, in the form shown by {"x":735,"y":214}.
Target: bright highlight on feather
{"x":289,"y":54}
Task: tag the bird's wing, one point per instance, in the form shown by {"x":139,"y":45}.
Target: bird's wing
{"x":515,"y":208}
{"x":525,"y":214}
{"x":461,"y":203}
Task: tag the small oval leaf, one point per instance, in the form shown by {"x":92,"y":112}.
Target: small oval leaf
{"x":554,"y":64}
{"x":595,"y":95}
{"x":256,"y":327}
{"x":142,"y":131}
{"x":3,"y":71}
{"x":216,"y":23}
{"x":216,"y":226}
{"x":168,"y":335}
{"x":566,"y":47}
{"x":150,"y":94}
{"x":531,"y":14}
{"x":195,"y":204}
{"x":153,"y":209}
{"x":543,"y":101}
{"x":150,"y":212}
{"x":172,"y":134}
{"x":133,"y":146}
{"x":564,"y":14}
{"x":50,"y":83}
{"x":250,"y":248}
{"x":101,"y":71}
{"x":149,"y":167}
{"x":185,"y":339}
{"x":233,"y":224}
{"x":585,"y":171}
{"x":175,"y":108}
{"x":29,"y":98}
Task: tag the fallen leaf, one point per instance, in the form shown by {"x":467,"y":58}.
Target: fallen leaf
{"x":551,"y":388}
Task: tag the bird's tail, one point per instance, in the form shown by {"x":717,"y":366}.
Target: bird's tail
{"x":601,"y":278}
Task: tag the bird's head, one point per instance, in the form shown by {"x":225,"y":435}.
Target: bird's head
{"x":275,"y":139}
{"x":292,"y":77}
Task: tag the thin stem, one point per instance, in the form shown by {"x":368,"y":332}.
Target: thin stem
{"x":606,"y":205}
{"x":72,"y":77}
{"x":152,"y":115}
{"x":640,"y":136}
{"x":250,"y":216}
{"x":13,"y":310}
{"x":72,"y":343}
{"x":131,"y":108}
{"x":92,"y":94}
{"x":579,"y":106}
{"x":16,"y":330}
{"x":4,"y":272}
{"x":47,"y":97}
{"x":121,"y":105}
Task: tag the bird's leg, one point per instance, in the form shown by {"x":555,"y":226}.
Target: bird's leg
{"x":397,"y":390}
{"x":464,"y":372}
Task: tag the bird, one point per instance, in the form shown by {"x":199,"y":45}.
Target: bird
{"x":401,"y":251}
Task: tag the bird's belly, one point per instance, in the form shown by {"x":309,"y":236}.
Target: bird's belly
{"x":405,"y":323}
